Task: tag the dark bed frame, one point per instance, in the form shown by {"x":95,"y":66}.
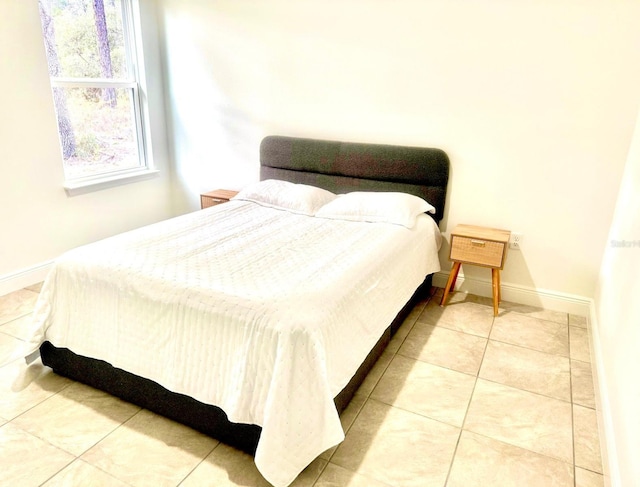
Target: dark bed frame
{"x":337,"y":166}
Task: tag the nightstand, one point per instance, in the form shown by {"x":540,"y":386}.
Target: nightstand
{"x":486,"y":247}
{"x":215,"y":197}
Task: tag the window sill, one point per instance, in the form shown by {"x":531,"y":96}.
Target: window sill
{"x":74,"y":188}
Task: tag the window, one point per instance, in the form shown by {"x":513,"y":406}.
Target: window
{"x":95,"y":78}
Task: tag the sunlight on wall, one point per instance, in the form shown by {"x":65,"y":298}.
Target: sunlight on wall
{"x":521,"y":115}
{"x":210,"y":134}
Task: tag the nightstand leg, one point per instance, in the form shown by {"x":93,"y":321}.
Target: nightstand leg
{"x":495,"y":280}
{"x":451,"y":282}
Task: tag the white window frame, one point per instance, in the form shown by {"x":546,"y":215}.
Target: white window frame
{"x":135,"y":67}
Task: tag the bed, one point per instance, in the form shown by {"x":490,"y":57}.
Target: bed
{"x":242,"y":328}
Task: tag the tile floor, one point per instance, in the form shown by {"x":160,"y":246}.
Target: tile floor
{"x":459,"y":398}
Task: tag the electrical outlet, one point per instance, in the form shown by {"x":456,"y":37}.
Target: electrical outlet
{"x":515,"y":241}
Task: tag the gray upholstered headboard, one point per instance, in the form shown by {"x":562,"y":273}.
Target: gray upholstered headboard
{"x":342,"y":167}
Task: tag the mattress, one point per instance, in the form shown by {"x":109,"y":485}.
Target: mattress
{"x":264,"y":313}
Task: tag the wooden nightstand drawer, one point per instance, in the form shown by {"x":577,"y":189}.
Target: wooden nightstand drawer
{"x":483,"y":246}
{"x":477,"y":251}
{"x":206,"y":202}
{"x":216,"y":197}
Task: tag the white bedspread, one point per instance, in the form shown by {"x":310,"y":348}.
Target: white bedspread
{"x":264,"y":313}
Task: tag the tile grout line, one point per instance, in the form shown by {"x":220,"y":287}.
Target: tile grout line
{"x":315,"y":482}
{"x":14,"y":318}
{"x":573,"y":465}
{"x":74,"y":457}
{"x":527,"y":391}
{"x":368,"y":395}
{"x":104,"y":471}
{"x":140,"y":409}
{"x":59,"y":471}
{"x":473,"y":391}
{"x":12,"y":420}
{"x":199,"y":463}
{"x":532,"y":349}
{"x":573,"y":432}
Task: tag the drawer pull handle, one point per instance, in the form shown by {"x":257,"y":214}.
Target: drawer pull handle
{"x":478,"y":243}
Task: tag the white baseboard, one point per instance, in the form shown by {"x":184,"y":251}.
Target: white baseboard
{"x":24,"y":278}
{"x":552,"y":300}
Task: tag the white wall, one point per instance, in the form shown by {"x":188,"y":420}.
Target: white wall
{"x":534,"y":101}
{"x":38,"y":221}
{"x":616,"y":330}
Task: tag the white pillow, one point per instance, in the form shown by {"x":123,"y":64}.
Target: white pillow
{"x":387,"y":207}
{"x":284,"y":195}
